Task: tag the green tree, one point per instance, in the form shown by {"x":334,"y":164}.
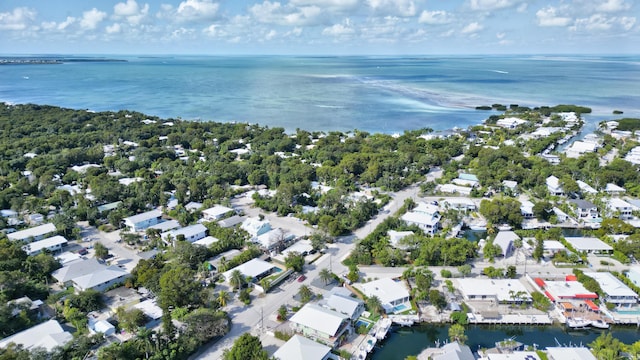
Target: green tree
{"x":511,"y":272}
{"x":223,"y":298}
{"x":205,"y":324}
{"x":437,"y":299}
{"x":246,"y":347}
{"x":295,"y":261}
{"x":456,"y":333}
{"x":606,"y":347}
{"x":374,"y":305}
{"x":464,"y":270}
{"x":101,"y":251}
{"x":282,"y":313}
{"x":305,"y":293}
{"x":130,"y":320}
{"x":237,"y":279}
{"x":178,"y":288}
{"x":325,"y":275}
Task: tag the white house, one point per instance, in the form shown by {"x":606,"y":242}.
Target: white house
{"x":569,"y":353}
{"x":350,"y":306}
{"x":190,"y":233}
{"x":320,"y":324}
{"x":589,"y":245}
{"x":34,"y":233}
{"x":551,"y":247}
{"x":53,"y":244}
{"x":216,"y":213}
{"x":614,"y":190}
{"x":616,"y":292}
{"x":273,"y":240}
{"x":586,"y":209}
{"x":425,"y":216}
{"x":206,"y":241}
{"x":454,"y":189}
{"x":526,"y":209}
{"x":393,"y":295}
{"x":46,"y":335}
{"x":510,"y":122}
{"x":586,"y":188}
{"x":469,"y":180}
{"x":142,"y":221}
{"x":497,"y":290}
{"x":396,"y":236}
{"x":90,"y":274}
{"x":301,"y":348}
{"x":505,"y":239}
{"x":255,"y":226}
{"x":620,"y":208}
{"x":553,"y":185}
{"x":579,"y":148}
{"x":560,"y":215}
{"x":634,"y":275}
{"x":254,"y":269}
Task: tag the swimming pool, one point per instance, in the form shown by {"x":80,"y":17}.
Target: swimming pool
{"x":629,"y":312}
{"x":400,"y":308}
{"x":361,"y":322}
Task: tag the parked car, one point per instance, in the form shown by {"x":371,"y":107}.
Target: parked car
{"x":83,"y":251}
{"x":301,"y":278}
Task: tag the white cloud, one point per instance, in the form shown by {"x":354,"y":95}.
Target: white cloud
{"x":113,"y":29}
{"x":627,"y":23}
{"x":130,"y":11}
{"x":91,"y":19}
{"x":500,"y":35}
{"x":274,"y":13}
{"x":330,"y":5}
{"x":474,"y":27}
{"x":435,"y":17}
{"x":404,"y":8}
{"x":613,"y":6}
{"x":486,"y":5}
{"x":271,"y":35}
{"x":601,"y":23}
{"x":339,"y":29}
{"x":194,"y":10}
{"x":18,"y":19}
{"x":548,"y":17}
{"x":523,"y":7}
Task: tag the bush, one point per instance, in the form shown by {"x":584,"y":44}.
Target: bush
{"x":445,"y":273}
{"x":282,"y":335}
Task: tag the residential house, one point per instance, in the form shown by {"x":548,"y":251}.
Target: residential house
{"x":579,"y":148}
{"x":53,"y":244}
{"x":320,"y":324}
{"x":513,"y":355}
{"x":526,"y":209}
{"x":396,"y":236}
{"x":586,"y":188}
{"x":348,"y":305}
{"x":165,"y":226}
{"x":255,"y":269}
{"x":449,"y":351}
{"x":425,"y":216}
{"x":300,"y":348}
{"x":510,"y":122}
{"x":461,"y":204}
{"x":510,"y":186}
{"x":142,"y":221}
{"x":274,"y":240}
{"x":393,"y":295}
{"x":33,"y":234}
{"x":255,"y":226}
{"x":90,"y":274}
{"x":553,"y":185}
{"x":586,"y":209}
{"x":552,"y":247}
{"x":560,"y":215}
{"x":505,"y":239}
{"x":589,"y":245}
{"x":231,"y":221}
{"x":190,"y":233}
{"x":616,"y":292}
{"x":507,"y":291}
{"x":614,"y":190}
{"x":454,"y":189}
{"x":469,"y":180}
{"x":569,"y":353}
{"x":216,"y":213}
{"x":562,"y":291}
{"x":620,"y":208}
{"x":109,"y":206}
{"x":47,"y":335}
{"x":206,"y":241}
{"x":634,"y":275}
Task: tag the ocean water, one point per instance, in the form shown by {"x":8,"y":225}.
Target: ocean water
{"x":375,"y":94}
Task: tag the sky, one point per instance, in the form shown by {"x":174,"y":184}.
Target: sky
{"x":319,"y":27}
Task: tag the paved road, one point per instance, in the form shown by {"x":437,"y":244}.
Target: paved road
{"x":122,"y":255}
{"x":262,"y":309}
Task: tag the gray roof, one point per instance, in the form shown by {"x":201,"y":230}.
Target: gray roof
{"x":102,"y":275}
{"x":231,"y":221}
{"x":455,"y":351}
{"x":301,"y":348}
{"x":584,"y":204}
{"x":47,"y":335}
{"x":77,"y":269}
{"x":144,"y":216}
{"x":316,"y":317}
{"x":344,"y":304}
{"x":37,"y":231}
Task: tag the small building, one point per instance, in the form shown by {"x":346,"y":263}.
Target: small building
{"x":255,"y":269}
{"x":506,"y":291}
{"x":510,"y":122}
{"x":193,"y":206}
{"x":513,"y":355}
{"x":231,"y":221}
{"x":190,"y":233}
{"x":101,"y":326}
{"x":206,"y":241}
{"x":552,"y":247}
{"x":108,"y":207}
{"x":221,"y":259}
{"x":616,"y":292}
{"x":560,"y":215}
{"x":505,"y":239}
{"x":553,"y":186}
{"x":47,"y":335}
{"x":590,"y":245}
{"x":396,"y":236}
{"x":273,"y":240}
{"x":255,"y":227}
{"x":393,"y":295}
{"x":142,"y":221}
{"x":33,"y":234}
{"x":469,"y":180}
{"x":216,"y":213}
{"x":621,"y":209}
{"x":151,"y":310}
{"x":461,"y":204}
{"x":614,"y":190}
{"x":323,"y":325}
{"x":425,"y":216}
{"x":53,"y":244}
{"x":569,"y":353}
{"x":634,"y":275}
{"x":165,"y":226}
{"x":510,"y":186}
{"x":454,"y":189}
{"x":586,"y":209}
{"x":449,"y":351}
{"x":350,"y":306}
{"x":526,"y":209}
{"x":90,"y":274}
{"x":301,"y":348}
{"x":586,"y":188}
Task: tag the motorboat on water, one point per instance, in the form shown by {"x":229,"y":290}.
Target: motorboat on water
{"x":600,"y":324}
{"x":578,"y":323}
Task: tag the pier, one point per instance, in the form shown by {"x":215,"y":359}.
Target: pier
{"x":510,"y":319}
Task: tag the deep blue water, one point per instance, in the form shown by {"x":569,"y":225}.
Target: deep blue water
{"x":403,"y":342}
{"x":376,"y":94}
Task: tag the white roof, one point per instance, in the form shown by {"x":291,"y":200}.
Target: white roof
{"x":386,"y":289}
{"x":586,"y":187}
{"x":343,"y":304}
{"x":551,"y":245}
{"x":526,"y":206}
{"x":36,"y":231}
{"x":613,"y":188}
{"x":77,"y":269}
{"x":500,"y":288}
{"x":510,"y":183}
{"x":150,"y":308}
{"x":44,"y":244}
{"x":301,"y":348}
{"x":420,"y":218}
{"x":299,"y":247}
{"x":143,"y":216}
{"x":425,"y":208}
{"x":320,"y":319}
{"x":270,"y":238}
{"x":253,"y":225}
{"x":216,"y":211}
{"x":47,"y":335}
{"x":617,"y":203}
{"x":565,"y":289}
{"x":611,"y":285}
{"x":516,"y":355}
{"x":396,"y":236}
{"x":251,"y":268}
{"x":504,"y":239}
{"x":102,"y":275}
{"x":451,"y":188}
{"x":206,"y":241}
{"x":67,"y":258}
{"x":166,"y":225}
{"x":570,"y":353}
{"x":582,"y":147}
{"x":588,"y":244}
{"x":188,"y":231}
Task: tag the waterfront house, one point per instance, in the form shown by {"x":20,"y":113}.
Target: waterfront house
{"x":504,"y":239}
{"x":553,"y":185}
{"x":552,"y":247}
{"x":190,"y":233}
{"x":616,"y":292}
{"x":620,"y":208}
{"x":590,"y":245}
{"x":567,"y":290}
{"x":513,"y":355}
{"x":320,"y":324}
{"x":301,"y":348}
{"x":425,"y":216}
{"x":216,"y":213}
{"x":143,"y":220}
{"x":53,"y":244}
{"x":348,"y":305}
{"x":569,"y":353}
{"x":560,"y":215}
{"x":450,"y":351}
{"x":505,"y":291}
{"x":586,"y":209}
{"x":579,"y":148}
{"x":33,"y":234}
{"x":510,"y":122}
{"x":393,"y":295}
{"x":47,"y":335}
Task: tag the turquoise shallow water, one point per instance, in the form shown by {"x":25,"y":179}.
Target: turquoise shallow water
{"x":376,"y":94}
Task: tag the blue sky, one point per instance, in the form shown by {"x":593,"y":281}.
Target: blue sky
{"x":339,"y":27}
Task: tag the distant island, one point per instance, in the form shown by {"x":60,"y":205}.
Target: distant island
{"x":51,"y":60}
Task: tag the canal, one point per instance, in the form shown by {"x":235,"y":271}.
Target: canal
{"x":404,"y":341}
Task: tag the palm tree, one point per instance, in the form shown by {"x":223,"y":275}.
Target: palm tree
{"x":223,"y":298}
{"x":305,"y":293}
{"x":326,"y":276}
{"x":374,"y":305}
{"x":265,"y":283}
{"x":237,"y":279}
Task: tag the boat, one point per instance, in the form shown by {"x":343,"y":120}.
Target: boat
{"x":578,"y":323}
{"x":478,"y":227}
{"x":600,"y":324}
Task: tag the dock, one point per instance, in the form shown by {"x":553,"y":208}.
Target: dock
{"x":511,"y":319}
{"x":378,"y":332}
